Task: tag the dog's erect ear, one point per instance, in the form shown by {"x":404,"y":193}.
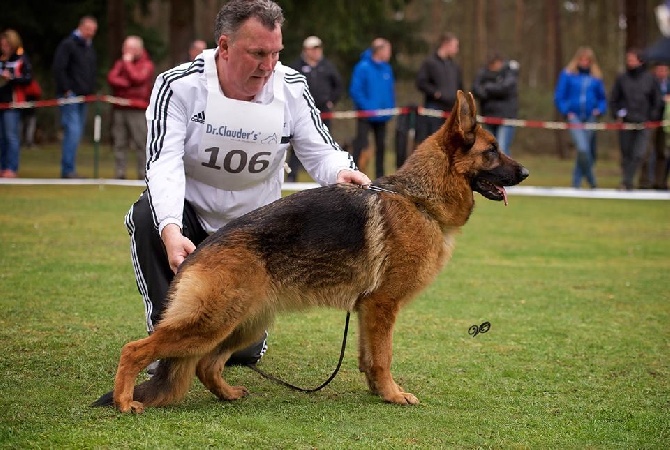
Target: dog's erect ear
{"x":466,"y":117}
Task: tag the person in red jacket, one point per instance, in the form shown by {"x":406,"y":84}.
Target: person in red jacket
{"x":131,"y":78}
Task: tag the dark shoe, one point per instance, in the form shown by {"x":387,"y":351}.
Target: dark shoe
{"x":151,"y":368}
{"x":249,"y":355}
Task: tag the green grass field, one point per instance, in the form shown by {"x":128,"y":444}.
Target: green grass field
{"x":576,"y":292}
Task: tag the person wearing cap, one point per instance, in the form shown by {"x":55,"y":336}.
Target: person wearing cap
{"x":324,"y":82}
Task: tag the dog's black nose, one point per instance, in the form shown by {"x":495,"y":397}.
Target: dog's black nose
{"x":524,"y":173}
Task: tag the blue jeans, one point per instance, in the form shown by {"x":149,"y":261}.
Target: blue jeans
{"x":73,"y":120}
{"x":10,"y":141}
{"x":585,"y":142}
{"x":504,"y":135}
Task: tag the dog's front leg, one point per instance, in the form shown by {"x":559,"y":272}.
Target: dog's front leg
{"x":376,"y":319}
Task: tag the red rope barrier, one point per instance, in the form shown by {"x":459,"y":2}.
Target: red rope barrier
{"x":519,"y":123}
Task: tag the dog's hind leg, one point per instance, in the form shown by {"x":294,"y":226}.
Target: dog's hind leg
{"x":181,"y":347}
{"x":376,"y":319}
{"x":211,"y":366}
{"x":134,"y":357}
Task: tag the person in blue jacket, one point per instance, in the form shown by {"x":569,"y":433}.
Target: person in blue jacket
{"x":580,"y":97}
{"x":372,"y":88}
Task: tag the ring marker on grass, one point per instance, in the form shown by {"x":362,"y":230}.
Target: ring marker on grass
{"x":475,"y":329}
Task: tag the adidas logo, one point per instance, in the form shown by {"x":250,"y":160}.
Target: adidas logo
{"x":200,"y":117}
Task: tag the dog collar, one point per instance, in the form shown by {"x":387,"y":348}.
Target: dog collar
{"x":375,"y":188}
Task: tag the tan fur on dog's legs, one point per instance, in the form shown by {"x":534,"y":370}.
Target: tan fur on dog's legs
{"x":210,"y":368}
{"x":134,"y":358}
{"x":181,"y":347}
{"x":209,"y":371}
{"x":376,"y":319}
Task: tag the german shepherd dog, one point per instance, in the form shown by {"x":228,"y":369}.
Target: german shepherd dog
{"x":367,"y":249}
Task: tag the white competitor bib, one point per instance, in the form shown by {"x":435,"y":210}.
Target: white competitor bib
{"x":240,"y":144}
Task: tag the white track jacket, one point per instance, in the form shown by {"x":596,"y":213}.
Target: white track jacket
{"x":224,"y":156}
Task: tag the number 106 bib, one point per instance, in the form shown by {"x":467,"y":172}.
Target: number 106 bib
{"x":240,"y":145}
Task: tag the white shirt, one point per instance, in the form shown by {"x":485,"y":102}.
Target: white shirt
{"x":176,"y":123}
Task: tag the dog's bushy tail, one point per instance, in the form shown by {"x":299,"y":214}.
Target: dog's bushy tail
{"x":168,"y":385}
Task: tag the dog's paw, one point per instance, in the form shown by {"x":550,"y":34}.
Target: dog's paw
{"x":234,"y":393}
{"x":131,"y":407}
{"x":136,"y":407}
{"x":402,"y":398}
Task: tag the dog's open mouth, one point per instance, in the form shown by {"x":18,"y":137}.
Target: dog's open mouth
{"x":489,"y":190}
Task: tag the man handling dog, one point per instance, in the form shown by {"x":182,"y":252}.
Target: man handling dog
{"x":367,"y":250}
{"x":218,"y":131}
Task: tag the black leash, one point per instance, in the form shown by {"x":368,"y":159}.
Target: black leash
{"x":325,"y":383}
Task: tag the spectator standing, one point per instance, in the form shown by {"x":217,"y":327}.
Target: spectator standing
{"x":372,"y":87}
{"x":131,"y":78}
{"x":324,"y":82}
{"x":496,"y":89}
{"x":580,"y":97}
{"x":635,"y":99}
{"x":219,"y":130}
{"x":438,"y":79}
{"x":654,"y":170}
{"x":74,"y":68}
{"x":15,"y":74}
{"x":196,"y":47}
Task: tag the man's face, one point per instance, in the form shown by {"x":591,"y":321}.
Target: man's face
{"x":248,"y":59}
{"x":661,"y":71}
{"x":632,"y":61}
{"x":88,"y":29}
{"x":385,"y":53}
{"x":314,"y":53}
{"x":131,"y":47}
{"x":452,"y":47}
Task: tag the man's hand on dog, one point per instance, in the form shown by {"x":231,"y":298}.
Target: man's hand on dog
{"x":352,"y":176}
{"x":177,"y":246}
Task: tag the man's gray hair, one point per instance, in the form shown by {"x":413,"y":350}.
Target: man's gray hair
{"x":234,"y":13}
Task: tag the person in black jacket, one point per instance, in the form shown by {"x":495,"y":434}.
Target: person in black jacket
{"x":496,"y":89}
{"x":325,"y":85}
{"x":438,"y":79}
{"x":654,"y":169}
{"x":635,"y":99}
{"x":74,"y":69}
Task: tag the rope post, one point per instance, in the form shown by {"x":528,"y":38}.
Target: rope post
{"x":97,"y":125}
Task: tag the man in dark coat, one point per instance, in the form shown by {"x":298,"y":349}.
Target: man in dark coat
{"x":635,"y":99}
{"x":324,"y":81}
{"x":74,"y":69}
{"x":439,"y":78}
